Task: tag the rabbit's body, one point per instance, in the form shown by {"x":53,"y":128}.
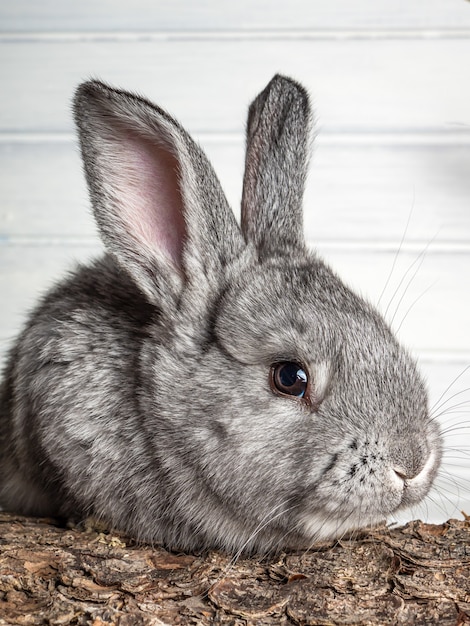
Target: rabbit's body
{"x":66,"y":383}
{"x":202,"y":385}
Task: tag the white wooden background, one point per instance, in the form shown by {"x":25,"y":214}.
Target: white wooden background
{"x":391,"y":86}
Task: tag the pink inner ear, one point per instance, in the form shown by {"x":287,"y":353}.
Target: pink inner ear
{"x":148,"y":194}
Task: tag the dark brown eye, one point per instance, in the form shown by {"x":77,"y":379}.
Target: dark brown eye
{"x":289,"y":379}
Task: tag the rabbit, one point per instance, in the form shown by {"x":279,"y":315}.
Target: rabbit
{"x":207,"y":384}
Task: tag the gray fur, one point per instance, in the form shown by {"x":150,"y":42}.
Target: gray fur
{"x":139,"y":390}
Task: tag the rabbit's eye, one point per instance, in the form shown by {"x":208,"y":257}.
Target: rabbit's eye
{"x":289,"y":379}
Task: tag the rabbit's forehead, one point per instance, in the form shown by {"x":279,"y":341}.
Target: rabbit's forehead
{"x":302,"y":311}
{"x":291,"y":286}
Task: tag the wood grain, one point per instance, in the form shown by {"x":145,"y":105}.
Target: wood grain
{"x":358,"y":85}
{"x":263,"y":15}
{"x":360,"y":190}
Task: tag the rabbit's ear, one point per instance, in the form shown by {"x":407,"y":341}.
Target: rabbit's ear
{"x":278,"y":144}
{"x":156,"y":199}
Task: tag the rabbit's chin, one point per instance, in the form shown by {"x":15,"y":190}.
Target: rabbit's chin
{"x":318,"y":527}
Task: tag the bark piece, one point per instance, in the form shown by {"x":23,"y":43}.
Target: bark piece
{"x":417,"y":574}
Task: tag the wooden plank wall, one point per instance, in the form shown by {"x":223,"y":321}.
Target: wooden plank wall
{"x":391,"y":86}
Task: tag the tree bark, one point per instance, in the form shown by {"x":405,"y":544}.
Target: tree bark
{"x":417,"y":574}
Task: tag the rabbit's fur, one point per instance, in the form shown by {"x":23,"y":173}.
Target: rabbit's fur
{"x":140,"y":391}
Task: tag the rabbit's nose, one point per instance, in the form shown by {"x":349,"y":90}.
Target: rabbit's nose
{"x":416,"y":468}
{"x":401,"y":473}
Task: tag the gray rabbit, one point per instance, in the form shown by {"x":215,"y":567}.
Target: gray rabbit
{"x":205,"y":384}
